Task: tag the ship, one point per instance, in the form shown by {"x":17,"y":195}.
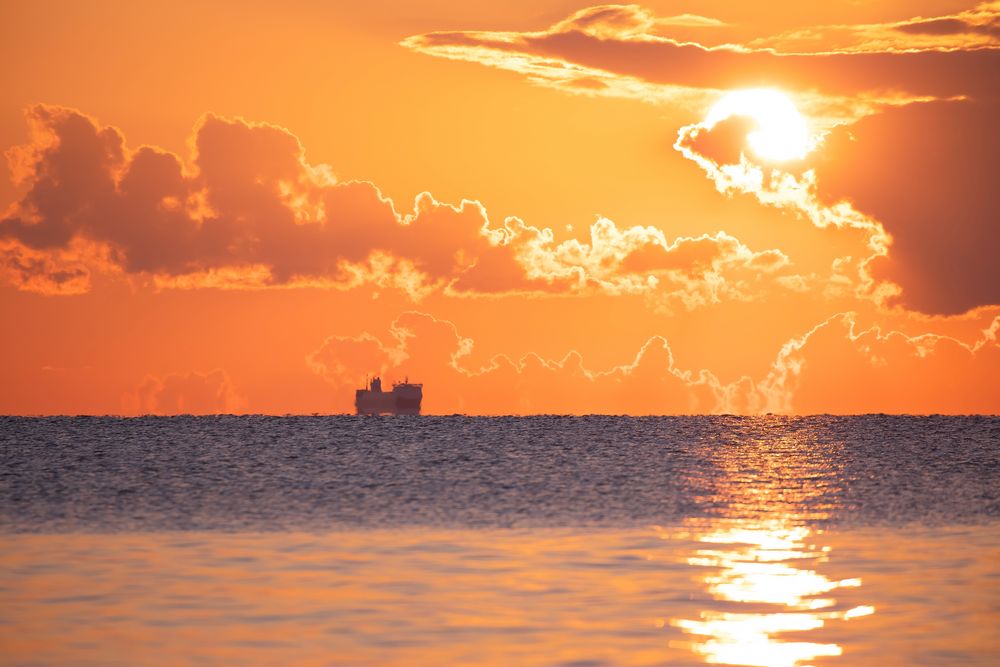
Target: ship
{"x":404,"y":399}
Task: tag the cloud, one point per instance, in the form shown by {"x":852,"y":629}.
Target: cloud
{"x":721,"y":150}
{"x":907,"y":139}
{"x":432,"y":351}
{"x":834,"y":368}
{"x":918,"y":180}
{"x":927,"y":173}
{"x":185,"y":393}
{"x":43,"y":272}
{"x":249,"y":207}
{"x":251,"y":212}
{"x":620,"y":50}
{"x":343,"y":360}
{"x":609,"y":21}
{"x":974,"y":28}
{"x":528,"y":53}
{"x":688,"y":272}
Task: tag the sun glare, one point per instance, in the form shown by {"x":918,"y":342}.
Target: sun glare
{"x":781,"y":134}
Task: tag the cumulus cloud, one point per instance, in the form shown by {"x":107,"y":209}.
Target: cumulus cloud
{"x":432,"y":351}
{"x":249,"y":209}
{"x":185,"y":393}
{"x":918,"y":180}
{"x":687,"y":272}
{"x":721,"y":149}
{"x":834,"y":368}
{"x":250,"y":212}
{"x":906,"y":146}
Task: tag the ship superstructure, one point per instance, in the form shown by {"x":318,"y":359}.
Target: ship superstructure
{"x":404,"y":399}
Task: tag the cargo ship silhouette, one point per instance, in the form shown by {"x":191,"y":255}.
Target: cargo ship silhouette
{"x":404,"y":399}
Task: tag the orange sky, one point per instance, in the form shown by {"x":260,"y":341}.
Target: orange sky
{"x":528,"y":207}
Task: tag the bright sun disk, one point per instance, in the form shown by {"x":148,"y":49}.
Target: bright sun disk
{"x":781,"y":134}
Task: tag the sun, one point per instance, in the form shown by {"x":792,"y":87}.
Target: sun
{"x":781,"y":134}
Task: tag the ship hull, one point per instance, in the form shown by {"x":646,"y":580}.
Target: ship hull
{"x":402,"y":400}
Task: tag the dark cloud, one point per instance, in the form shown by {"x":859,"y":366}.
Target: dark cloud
{"x":950,"y":26}
{"x":935,"y":73}
{"x":249,"y":200}
{"x":250,"y":211}
{"x":923,"y":174}
{"x":606,"y":40}
{"x":41,"y":272}
{"x":928,"y":173}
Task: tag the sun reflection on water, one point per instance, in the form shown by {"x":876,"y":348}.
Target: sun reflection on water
{"x":769,"y":566}
{"x":762,"y":562}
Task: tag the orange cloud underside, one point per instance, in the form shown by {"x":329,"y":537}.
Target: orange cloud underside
{"x":570,"y":238}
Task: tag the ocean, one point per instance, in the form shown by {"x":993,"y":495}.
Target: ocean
{"x":571,"y":541}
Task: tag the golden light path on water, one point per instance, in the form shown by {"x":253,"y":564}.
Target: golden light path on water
{"x":766,"y":564}
{"x":767,"y":573}
{"x":762,"y":554}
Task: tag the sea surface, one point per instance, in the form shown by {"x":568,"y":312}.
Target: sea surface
{"x":570,"y":541}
